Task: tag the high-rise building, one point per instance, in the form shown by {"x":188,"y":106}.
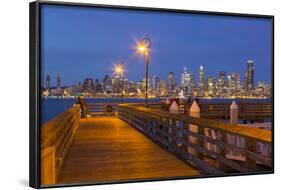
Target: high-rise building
{"x":192,"y":83}
{"x":171,"y":84}
{"x":98,"y":86}
{"x":79,"y":87}
{"x":233,"y":81}
{"x":116,"y":82}
{"x":58,"y":82}
{"x":211,"y":90}
{"x":107,"y":84}
{"x":156,"y":84}
{"x":249,"y":82}
{"x":201,"y":82}
{"x":142,"y":85}
{"x":163,"y":88}
{"x":185,"y":77}
{"x":221,"y":83}
{"x":187,"y":82}
{"x":132,"y":87}
{"x":48,"y":82}
{"x":261,"y":89}
{"x":201,"y":75}
{"x":88,"y":85}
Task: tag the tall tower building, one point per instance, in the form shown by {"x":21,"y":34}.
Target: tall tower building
{"x":171,"y":83}
{"x":58,"y":82}
{"x":187,"y":82}
{"x":98,"y":86}
{"x":233,"y":83}
{"x":88,"y":85}
{"x":156,"y":84}
{"x":185,"y":77}
{"x":48,"y":82}
{"x":221,"y":83}
{"x":201,"y":75}
{"x":201,"y":82}
{"x":163,"y":88}
{"x":249,"y":76}
{"x":211,"y":86}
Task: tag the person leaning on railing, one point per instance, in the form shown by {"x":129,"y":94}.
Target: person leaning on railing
{"x":83,"y":107}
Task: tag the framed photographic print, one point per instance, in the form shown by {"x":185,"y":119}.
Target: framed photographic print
{"x":129,"y":94}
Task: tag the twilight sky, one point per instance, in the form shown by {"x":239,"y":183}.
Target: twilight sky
{"x":80,"y":42}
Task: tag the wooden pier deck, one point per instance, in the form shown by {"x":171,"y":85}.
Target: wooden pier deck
{"x":106,"y":149}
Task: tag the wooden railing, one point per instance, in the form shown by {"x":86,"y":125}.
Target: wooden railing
{"x":249,"y":111}
{"x":185,"y":137}
{"x":99,"y":109}
{"x":110,"y":109}
{"x":56,"y":138}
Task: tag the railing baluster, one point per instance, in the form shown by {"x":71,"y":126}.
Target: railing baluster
{"x":251,"y":145}
{"x":221,"y":137}
{"x":201,"y":130}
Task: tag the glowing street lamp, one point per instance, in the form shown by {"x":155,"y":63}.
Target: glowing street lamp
{"x":143,"y":48}
{"x":119,"y":69}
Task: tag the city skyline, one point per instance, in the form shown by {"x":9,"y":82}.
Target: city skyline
{"x":182,"y":40}
{"x":225,"y":85}
{"x":204,"y":77}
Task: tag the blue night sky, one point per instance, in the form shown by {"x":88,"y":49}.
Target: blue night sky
{"x":80,"y":42}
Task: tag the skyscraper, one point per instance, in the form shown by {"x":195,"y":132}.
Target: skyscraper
{"x":201,"y":75}
{"x":48,"y":82}
{"x":98,"y":86}
{"x":156,"y":85}
{"x":187,"y":82}
{"x":163,"y":88}
{"x":249,"y":76}
{"x":58,"y":82}
{"x":211,"y":90}
{"x":233,"y":83}
{"x":107,"y":84}
{"x":201,"y":82}
{"x":171,"y":84}
{"x":185,"y":77}
{"x":88,"y":85}
{"x":221,"y":83}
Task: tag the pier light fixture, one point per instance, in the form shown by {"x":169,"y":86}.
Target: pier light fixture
{"x":143,"y":47}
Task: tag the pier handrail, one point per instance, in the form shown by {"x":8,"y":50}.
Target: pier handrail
{"x":251,"y":111}
{"x":56,"y":138}
{"x":110,"y":108}
{"x":173,"y":132}
{"x":98,"y":109}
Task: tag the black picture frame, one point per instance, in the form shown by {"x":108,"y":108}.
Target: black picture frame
{"x":34,"y":77}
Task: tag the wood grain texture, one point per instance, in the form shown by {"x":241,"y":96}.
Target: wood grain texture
{"x":107,"y":149}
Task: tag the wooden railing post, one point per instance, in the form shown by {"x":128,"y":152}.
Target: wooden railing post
{"x":185,"y":136}
{"x":221,"y":137}
{"x":195,"y":112}
{"x":232,"y":139}
{"x":180,"y":132}
{"x":251,"y":145}
{"x":233,"y":112}
{"x":172,"y":131}
{"x":48,"y":166}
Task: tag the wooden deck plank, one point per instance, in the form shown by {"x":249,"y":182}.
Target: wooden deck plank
{"x":107,"y":149}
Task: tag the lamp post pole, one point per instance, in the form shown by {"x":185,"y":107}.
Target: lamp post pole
{"x":146,"y":43}
{"x":122,"y":83}
{"x":146,"y":78}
